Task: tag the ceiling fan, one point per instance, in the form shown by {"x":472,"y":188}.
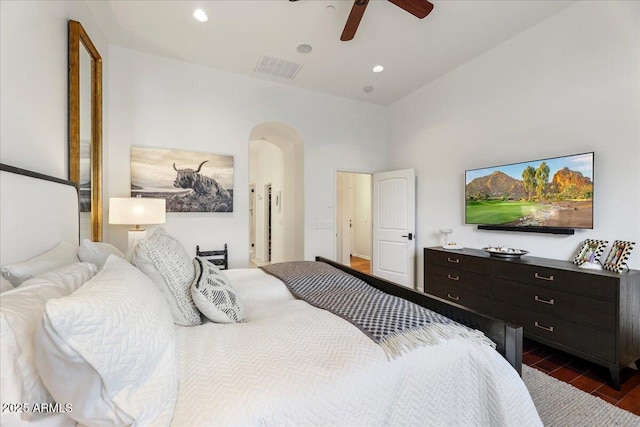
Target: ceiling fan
{"x":418,"y":8}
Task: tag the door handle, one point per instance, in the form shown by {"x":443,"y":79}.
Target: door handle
{"x":409,"y":236}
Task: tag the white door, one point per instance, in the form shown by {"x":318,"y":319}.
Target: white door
{"x":394,"y":212}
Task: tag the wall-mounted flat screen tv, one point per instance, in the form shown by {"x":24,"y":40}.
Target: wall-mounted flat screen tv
{"x":543,"y":194}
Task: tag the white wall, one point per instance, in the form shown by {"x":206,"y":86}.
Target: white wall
{"x":344,"y":210}
{"x":34,"y":81}
{"x":158,"y":102}
{"x":568,"y":85}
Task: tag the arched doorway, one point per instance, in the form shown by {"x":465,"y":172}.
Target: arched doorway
{"x":276,"y":166}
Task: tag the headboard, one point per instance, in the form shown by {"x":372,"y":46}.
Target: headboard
{"x":36,"y":212}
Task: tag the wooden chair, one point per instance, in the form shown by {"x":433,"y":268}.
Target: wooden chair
{"x":219,"y":257}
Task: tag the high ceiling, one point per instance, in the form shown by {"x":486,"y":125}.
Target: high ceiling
{"x":239,"y":32}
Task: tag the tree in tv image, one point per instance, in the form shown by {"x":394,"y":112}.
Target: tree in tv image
{"x":555,"y":192}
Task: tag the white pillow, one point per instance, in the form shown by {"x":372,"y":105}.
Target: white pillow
{"x":165,"y":261}
{"x":21,"y":311}
{"x":213,"y":294}
{"x":109,"y":350}
{"x":64,"y":253}
{"x":5,"y":285}
{"x":97,"y":252}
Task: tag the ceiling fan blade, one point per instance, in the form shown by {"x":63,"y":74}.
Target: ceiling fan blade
{"x":353,"y":21}
{"x":418,"y":8}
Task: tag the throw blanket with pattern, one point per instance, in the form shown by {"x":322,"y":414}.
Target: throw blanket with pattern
{"x":394,"y":323}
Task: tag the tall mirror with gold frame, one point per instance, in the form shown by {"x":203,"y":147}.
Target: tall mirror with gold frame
{"x":85,"y":128}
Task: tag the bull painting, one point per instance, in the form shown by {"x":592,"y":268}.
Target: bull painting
{"x":189,"y":178}
{"x":160,"y":173}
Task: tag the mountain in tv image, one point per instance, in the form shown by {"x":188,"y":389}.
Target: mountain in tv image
{"x":532,"y":200}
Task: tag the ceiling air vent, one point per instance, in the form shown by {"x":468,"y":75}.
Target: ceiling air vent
{"x":278,"y":67}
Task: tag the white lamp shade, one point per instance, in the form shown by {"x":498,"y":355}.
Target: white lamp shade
{"x":136,"y":210}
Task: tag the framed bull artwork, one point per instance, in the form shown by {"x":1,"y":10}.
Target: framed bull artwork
{"x":189,"y":181}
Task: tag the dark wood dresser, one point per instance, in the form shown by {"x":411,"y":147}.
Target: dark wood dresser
{"x":591,"y":314}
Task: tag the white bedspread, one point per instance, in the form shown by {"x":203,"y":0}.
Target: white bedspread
{"x":293,"y":364}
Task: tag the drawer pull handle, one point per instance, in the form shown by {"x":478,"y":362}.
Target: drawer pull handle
{"x":550,"y":278}
{"x":450,"y":277}
{"x":550,"y":301}
{"x":453,"y":260}
{"x":546,"y":328}
{"x":453,"y":298}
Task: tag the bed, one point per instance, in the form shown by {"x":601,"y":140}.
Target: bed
{"x":125,"y":361}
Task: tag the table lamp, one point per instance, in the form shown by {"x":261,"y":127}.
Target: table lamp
{"x":136,"y":211}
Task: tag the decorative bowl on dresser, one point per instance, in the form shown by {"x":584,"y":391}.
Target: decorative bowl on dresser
{"x":592,"y":314}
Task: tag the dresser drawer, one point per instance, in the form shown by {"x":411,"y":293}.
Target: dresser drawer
{"x":458,"y":260}
{"x":460,"y":296}
{"x":592,"y":285}
{"x":454,"y":278}
{"x":575,"y":308}
{"x":581,"y":338}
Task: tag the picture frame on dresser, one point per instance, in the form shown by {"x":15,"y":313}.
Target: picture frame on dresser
{"x":618,"y":256}
{"x":590,"y":251}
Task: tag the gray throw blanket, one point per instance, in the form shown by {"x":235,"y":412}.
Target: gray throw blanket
{"x":396,"y":324}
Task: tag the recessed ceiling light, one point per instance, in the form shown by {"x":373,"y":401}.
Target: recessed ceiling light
{"x":304,"y":48}
{"x":367,"y":89}
{"x":200,"y":15}
{"x":378,"y":69}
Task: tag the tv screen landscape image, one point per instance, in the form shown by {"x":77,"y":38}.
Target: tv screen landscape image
{"x":555,"y":193}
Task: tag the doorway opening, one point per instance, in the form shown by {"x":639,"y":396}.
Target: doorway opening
{"x":378,"y":209}
{"x":267,"y":223}
{"x":353,"y":220}
{"x":276,"y":172}
{"x":252,"y":221}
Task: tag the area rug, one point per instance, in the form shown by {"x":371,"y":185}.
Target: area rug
{"x":560,"y":404}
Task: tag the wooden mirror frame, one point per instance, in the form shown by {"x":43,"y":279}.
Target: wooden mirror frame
{"x":78,"y":35}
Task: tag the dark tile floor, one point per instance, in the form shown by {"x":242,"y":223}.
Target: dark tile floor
{"x":584,"y":375}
